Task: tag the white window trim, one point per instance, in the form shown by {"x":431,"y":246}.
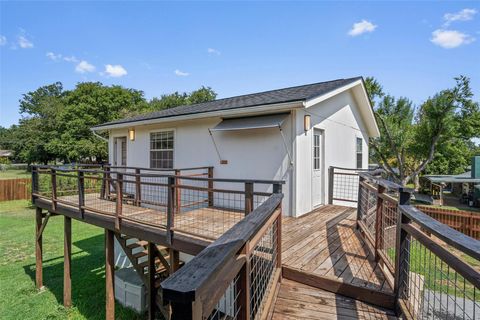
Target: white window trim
{"x":356,"y":153}
{"x":174,"y":143}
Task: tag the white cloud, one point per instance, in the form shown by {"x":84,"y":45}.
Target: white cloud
{"x":115,"y":71}
{"x":213,"y":51}
{"x":24,"y":43}
{"x":181,"y":73}
{"x":362,"y":27}
{"x":53,"y":56}
{"x":84,"y":67}
{"x":449,"y":39}
{"x":70,"y":59}
{"x":3,"y":40}
{"x":462,"y":15}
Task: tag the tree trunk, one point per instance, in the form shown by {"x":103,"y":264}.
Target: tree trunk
{"x":416,"y":180}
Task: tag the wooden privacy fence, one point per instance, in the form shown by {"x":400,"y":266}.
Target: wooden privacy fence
{"x":466,"y":222}
{"x":15,"y":189}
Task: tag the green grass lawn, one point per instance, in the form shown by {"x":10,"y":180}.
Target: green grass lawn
{"x":19,"y":298}
{"x":14,"y":174}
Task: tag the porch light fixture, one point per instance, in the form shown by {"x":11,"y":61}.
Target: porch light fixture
{"x":306,"y":122}
{"x":131,"y":134}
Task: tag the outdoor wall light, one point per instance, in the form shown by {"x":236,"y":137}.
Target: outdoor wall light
{"x":306,"y":122}
{"x":131,"y":134}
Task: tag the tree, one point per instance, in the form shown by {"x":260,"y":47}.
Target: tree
{"x":410,"y":138}
{"x":166,"y":101}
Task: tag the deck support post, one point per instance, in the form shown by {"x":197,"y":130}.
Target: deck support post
{"x":67,"y":260}
{"x":38,"y":248}
{"x":151,"y":281}
{"x":174,"y":260}
{"x":359,"y":199}
{"x":109,"y":276}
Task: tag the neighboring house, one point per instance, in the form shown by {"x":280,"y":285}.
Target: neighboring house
{"x":5,"y":154}
{"x":292,"y":134}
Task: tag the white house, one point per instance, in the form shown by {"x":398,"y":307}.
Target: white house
{"x":292,"y":134}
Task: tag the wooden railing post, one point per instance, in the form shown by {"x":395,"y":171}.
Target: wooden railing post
{"x":210,"y":187}
{"x":38,"y":248}
{"x":248,"y":197}
{"x":178,"y":197}
{"x":103,"y":187}
{"x":170,"y":209}
{"x":401,"y":249}
{"x":81,"y":193}
{"x":119,"y":203}
{"x":277,"y":188}
{"x":53,"y":174}
{"x":331,"y":174}
{"x":138,"y":188}
{"x":243,"y":291}
{"x":379,"y":222}
{"x":34,"y":182}
{"x":107,"y":179}
{"x":359,"y":201}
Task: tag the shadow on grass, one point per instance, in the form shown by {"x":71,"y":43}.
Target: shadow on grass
{"x":88,"y":279}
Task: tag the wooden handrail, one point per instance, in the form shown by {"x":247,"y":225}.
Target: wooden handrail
{"x":187,"y":285}
{"x":447,"y":234}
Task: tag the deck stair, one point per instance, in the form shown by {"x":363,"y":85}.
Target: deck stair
{"x":136,"y":251}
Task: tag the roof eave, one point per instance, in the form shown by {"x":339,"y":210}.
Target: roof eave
{"x":258,"y":109}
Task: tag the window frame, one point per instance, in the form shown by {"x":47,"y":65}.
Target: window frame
{"x":357,"y":153}
{"x":317,"y":147}
{"x":150,"y":146}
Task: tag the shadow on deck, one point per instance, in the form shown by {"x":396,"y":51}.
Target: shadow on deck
{"x":323,"y":249}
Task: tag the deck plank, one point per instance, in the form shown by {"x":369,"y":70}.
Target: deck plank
{"x":299,"y":301}
{"x":326,"y":243}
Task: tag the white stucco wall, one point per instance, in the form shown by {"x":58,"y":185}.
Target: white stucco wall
{"x":340,"y":120}
{"x":251,"y":154}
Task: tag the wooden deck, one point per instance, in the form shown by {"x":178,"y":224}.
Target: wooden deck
{"x":198,"y":221}
{"x":299,"y":301}
{"x":324,"y":249}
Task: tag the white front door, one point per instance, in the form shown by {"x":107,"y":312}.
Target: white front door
{"x":317,"y":168}
{"x":120,"y":151}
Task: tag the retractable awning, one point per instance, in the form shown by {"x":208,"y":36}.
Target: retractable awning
{"x":257,"y":122}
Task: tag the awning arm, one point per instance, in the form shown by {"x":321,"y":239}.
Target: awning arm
{"x":215,"y":145}
{"x":285,"y":145}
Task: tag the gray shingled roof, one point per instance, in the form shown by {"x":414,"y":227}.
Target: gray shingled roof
{"x":292,"y":94}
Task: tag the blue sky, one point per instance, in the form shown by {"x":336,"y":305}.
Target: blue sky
{"x":413,"y":48}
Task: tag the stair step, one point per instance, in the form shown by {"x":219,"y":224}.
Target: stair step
{"x":140,"y":254}
{"x":137,"y":244}
{"x":144,"y":264}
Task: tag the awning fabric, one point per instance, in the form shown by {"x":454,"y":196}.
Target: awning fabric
{"x":257,"y":122}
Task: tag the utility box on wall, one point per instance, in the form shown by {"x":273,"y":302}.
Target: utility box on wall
{"x":130,"y":290}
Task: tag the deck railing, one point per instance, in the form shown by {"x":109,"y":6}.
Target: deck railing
{"x":432,"y":268}
{"x":343,"y":184}
{"x":236,"y":276}
{"x":186,"y":200}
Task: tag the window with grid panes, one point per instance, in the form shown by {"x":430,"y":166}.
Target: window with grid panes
{"x":161,"y":150}
{"x":359,"y":153}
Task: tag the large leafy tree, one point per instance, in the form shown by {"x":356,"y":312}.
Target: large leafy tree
{"x":176,"y":99}
{"x":411,"y":139}
{"x":55,"y":123}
